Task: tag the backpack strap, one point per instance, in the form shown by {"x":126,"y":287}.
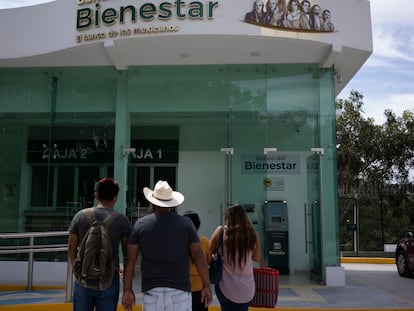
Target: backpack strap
{"x":109,"y":219}
{"x":90,"y":215}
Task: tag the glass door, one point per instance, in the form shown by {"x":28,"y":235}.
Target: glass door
{"x":146,"y":176}
{"x":313,"y":218}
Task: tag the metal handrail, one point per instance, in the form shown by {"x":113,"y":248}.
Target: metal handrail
{"x":31,"y":248}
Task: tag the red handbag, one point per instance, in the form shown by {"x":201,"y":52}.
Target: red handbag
{"x":267,"y":287}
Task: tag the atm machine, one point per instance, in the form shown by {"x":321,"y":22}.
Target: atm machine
{"x":277,"y":235}
{"x":255,"y":219}
{"x":250,"y":209}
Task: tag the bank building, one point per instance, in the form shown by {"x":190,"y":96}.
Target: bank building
{"x":228,"y":102}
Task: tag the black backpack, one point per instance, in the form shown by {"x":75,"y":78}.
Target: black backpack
{"x":94,"y":264}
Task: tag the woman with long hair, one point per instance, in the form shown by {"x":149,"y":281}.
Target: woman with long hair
{"x":240,"y":248}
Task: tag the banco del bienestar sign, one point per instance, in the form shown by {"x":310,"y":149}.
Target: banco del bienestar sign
{"x":111,"y":19}
{"x":93,"y":15}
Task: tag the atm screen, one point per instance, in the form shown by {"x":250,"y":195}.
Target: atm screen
{"x":276,"y":219}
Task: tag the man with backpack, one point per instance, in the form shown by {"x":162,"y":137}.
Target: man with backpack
{"x":93,"y":250}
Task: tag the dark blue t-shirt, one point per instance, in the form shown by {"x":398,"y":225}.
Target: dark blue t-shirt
{"x":119,"y":228}
{"x":164,"y":239}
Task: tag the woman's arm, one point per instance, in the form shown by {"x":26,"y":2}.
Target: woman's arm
{"x":213,"y":243}
{"x":257,"y":254}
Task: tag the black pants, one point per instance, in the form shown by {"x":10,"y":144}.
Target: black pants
{"x":197,"y":304}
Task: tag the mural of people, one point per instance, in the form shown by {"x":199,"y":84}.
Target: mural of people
{"x":299,"y":15}
{"x":257,"y":15}
{"x":275,"y":9}
{"x":305,"y":15}
{"x":292,"y":18}
{"x":327,"y":25}
{"x":316,"y":20}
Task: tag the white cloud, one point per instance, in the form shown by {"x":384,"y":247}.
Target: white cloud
{"x":388,"y":13}
{"x":393,"y":29}
{"x":377,"y":104}
{"x":386,"y":80}
{"x":401,"y":102}
{"x":393,"y":44}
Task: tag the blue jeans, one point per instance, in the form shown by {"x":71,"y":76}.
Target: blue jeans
{"x":228,"y":305}
{"x":85,"y":299}
{"x":166,"y":299}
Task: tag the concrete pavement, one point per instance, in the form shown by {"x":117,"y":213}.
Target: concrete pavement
{"x":369,"y":286}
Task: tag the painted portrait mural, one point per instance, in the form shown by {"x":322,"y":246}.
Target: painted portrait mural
{"x":293,"y":14}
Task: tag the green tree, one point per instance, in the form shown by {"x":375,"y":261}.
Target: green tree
{"x":375,"y":172}
{"x":398,"y":146}
{"x":356,"y":153}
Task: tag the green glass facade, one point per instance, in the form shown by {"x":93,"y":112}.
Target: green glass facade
{"x":62,"y":129}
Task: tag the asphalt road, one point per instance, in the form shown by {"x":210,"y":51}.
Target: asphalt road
{"x":383,"y":278}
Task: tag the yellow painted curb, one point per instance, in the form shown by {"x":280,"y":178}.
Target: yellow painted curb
{"x":15,"y":287}
{"x":374,"y":260}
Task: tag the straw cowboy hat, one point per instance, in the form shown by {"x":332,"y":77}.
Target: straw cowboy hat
{"x":163,"y":195}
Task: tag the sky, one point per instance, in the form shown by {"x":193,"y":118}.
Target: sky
{"x":386,"y":80}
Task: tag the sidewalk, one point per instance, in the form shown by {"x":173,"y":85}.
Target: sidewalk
{"x":369,"y":286}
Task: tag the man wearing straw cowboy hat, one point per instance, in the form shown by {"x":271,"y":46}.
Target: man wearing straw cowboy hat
{"x":165,"y":239}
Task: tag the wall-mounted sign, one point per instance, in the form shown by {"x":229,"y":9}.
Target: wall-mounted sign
{"x":98,"y":15}
{"x":154,"y":151}
{"x":270,"y":164}
{"x":274,"y":183}
{"x":90,"y":151}
{"x":98,"y":20}
{"x":70,"y":151}
{"x":129,"y":20}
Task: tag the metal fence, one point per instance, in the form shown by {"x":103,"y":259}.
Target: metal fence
{"x":31,"y":248}
{"x":369,"y":223}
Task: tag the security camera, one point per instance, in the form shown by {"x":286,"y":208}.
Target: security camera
{"x":127,"y":151}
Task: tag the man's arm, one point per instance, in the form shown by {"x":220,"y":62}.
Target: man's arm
{"x":124,"y":247}
{"x":72,"y":248}
{"x":128,"y":297}
{"x":201,"y":264}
